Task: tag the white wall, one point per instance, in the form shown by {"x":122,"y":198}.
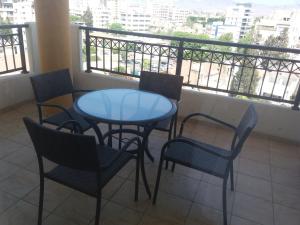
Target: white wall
{"x":272,"y":120}
{"x":16,"y":88}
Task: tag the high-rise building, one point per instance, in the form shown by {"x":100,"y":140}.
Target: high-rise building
{"x":23,"y":11}
{"x":102,"y":17}
{"x":134,"y":19}
{"x":241,"y":16}
{"x":78,"y":7}
{"x":6,"y":10}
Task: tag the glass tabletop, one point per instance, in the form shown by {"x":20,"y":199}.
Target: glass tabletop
{"x":124,"y":106}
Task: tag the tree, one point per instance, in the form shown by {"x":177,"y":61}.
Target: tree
{"x":75,"y":19}
{"x":280,"y":41}
{"x":189,"y":35}
{"x":227,"y":37}
{"x":191,"y":20}
{"x":246,"y":75}
{"x":5,"y":31}
{"x":242,"y":80}
{"x":87,"y":17}
{"x":116,"y":26}
{"x":146,"y":64}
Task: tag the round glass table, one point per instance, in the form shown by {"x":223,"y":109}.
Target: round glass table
{"x":126,"y":107}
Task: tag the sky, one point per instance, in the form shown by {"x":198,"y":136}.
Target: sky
{"x":273,"y":2}
{"x":260,"y":5}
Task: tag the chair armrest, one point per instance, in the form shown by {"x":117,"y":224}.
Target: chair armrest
{"x":207,"y":117}
{"x":58,"y":107}
{"x":76,"y":126}
{"x":124,"y":148}
{"x":182,"y":140}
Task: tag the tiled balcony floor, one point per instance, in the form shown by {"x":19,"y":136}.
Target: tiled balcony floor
{"x":267,"y":185}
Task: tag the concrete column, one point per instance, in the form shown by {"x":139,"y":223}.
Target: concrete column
{"x":53,"y":34}
{"x":53,"y":31}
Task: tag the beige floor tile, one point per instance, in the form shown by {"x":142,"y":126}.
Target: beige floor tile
{"x":218,"y":181}
{"x":285,"y":148}
{"x":147,"y":220}
{"x":200,"y":214}
{"x":252,"y":208}
{"x":20,"y":214}
{"x":114,"y":214}
{"x":259,"y":155}
{"x":179,"y":185}
{"x":240,"y":221}
{"x":289,"y":197}
{"x":112,"y":187}
{"x":125,"y":197}
{"x":258,"y":141}
{"x":211,"y":196}
{"x":183,"y":170}
{"x":78,"y":208}
{"x":169,"y":207}
{"x":55,"y":194}
{"x":253,"y":168}
{"x":23,"y":157}
{"x":20,"y":183}
{"x":6,"y":170}
{"x":289,"y":178}
{"x":57,"y":220}
{"x":6,"y":200}
{"x":286,"y":216}
{"x":281,"y":161}
{"x":126,"y":171}
{"x":254,"y":186}
{"x":7,"y":147}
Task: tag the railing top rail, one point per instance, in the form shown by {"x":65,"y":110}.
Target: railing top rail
{"x":194,"y":40}
{"x":8,"y":26}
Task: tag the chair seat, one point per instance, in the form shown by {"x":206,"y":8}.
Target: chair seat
{"x":196,"y":158}
{"x":85,"y":181}
{"x":61,"y":117}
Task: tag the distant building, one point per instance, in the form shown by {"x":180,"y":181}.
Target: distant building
{"x":7,"y":10}
{"x":77,"y":7}
{"x":218,"y":29}
{"x":23,"y":11}
{"x":165,"y":14}
{"x":275,"y":23}
{"x":241,"y":16}
{"x":134,"y":19}
{"x":102,"y":17}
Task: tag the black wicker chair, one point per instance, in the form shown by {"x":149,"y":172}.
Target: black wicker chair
{"x":51,"y":85}
{"x":169,"y":86}
{"x":81,"y":163}
{"x":205,"y":157}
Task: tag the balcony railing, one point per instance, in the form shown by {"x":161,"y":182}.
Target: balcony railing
{"x":253,"y":71}
{"x":12,"y":50}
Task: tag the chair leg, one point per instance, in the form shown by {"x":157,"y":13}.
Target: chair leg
{"x":158,"y":179}
{"x":41,"y":201}
{"x":173,"y":166}
{"x":169,"y":138}
{"x":174,"y":135}
{"x":224,"y":202}
{"x":231,"y":177}
{"x":167,"y":164}
{"x":137,"y":175}
{"x":98,"y":209}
